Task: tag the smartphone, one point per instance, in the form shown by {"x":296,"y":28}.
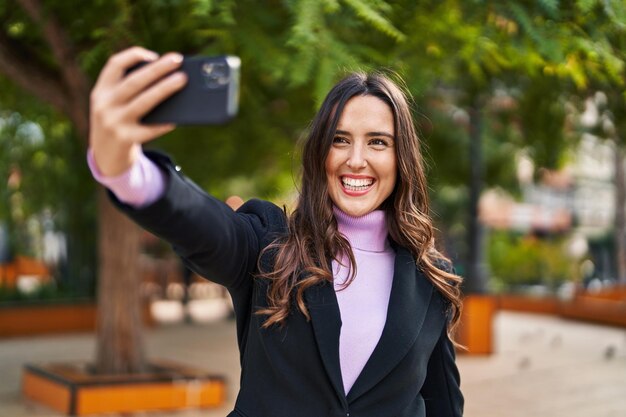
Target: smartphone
{"x":211,"y":95}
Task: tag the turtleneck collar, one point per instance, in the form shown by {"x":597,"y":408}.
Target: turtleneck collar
{"x":368,"y":232}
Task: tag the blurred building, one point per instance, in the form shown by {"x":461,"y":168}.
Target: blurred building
{"x":581,"y":196}
{"x":577,"y":201}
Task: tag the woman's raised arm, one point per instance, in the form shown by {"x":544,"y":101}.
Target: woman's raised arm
{"x":212,"y":239}
{"x":119,"y":101}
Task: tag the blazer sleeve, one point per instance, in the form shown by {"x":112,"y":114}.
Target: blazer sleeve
{"x":216,"y":242}
{"x":441,"y":390}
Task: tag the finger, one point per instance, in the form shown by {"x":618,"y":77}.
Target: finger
{"x":146,"y":101}
{"x":116,"y":66}
{"x":140,"y":79}
{"x":146,"y":133}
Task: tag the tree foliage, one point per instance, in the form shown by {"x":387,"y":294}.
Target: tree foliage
{"x":452,"y":53}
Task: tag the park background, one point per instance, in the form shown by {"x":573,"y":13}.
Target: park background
{"x":520,"y":107}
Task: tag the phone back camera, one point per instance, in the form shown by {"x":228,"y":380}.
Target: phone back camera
{"x":215,"y":74}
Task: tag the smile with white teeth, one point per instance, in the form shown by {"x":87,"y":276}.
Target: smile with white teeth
{"x":356,"y":184}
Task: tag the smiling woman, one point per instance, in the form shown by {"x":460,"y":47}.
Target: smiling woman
{"x":343,"y":307}
{"x":361,"y":163}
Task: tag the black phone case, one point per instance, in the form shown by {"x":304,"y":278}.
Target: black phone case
{"x":211,"y":95}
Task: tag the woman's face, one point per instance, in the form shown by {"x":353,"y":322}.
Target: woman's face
{"x":361,"y":163}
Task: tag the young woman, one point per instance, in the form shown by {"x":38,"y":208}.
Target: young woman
{"x":344,"y":307}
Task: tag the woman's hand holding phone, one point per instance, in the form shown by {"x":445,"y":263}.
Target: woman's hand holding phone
{"x":119,"y":101}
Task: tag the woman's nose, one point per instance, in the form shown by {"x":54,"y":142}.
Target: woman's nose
{"x":357,"y":158}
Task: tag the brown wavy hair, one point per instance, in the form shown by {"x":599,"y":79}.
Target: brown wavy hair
{"x":303,"y":257}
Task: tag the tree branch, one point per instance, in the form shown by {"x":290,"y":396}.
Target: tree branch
{"x":74,"y":79}
{"x":31,"y":77}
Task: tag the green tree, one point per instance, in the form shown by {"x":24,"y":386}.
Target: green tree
{"x":471,"y":51}
{"x":53,"y":50}
{"x":44,"y":163}
{"x":605,"y":29}
{"x":535,"y":51}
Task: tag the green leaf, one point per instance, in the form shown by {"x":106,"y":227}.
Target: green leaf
{"x":525,"y":21}
{"x":324,"y":79}
{"x":585,"y":6}
{"x":331,"y":6}
{"x":551,"y":7}
{"x":369,"y":13}
{"x":202,"y":7}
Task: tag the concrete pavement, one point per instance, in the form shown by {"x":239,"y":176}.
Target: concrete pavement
{"x":543,"y":367}
{"x":547,"y":367}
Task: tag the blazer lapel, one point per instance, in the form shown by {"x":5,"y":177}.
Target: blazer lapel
{"x":326,"y":320}
{"x":410,"y":296}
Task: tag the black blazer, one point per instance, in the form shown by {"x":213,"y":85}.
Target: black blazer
{"x":294,"y":371}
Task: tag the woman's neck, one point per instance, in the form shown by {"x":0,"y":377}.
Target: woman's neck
{"x":368,"y":232}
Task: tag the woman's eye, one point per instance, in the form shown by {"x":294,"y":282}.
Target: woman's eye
{"x":340,"y":139}
{"x":379,"y":142}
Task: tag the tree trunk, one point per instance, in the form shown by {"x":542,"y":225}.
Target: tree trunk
{"x":66,"y":88}
{"x":120,"y":347}
{"x":475,"y":280}
{"x":620,"y":215}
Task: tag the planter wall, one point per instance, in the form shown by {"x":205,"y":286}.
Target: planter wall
{"x":24,"y":320}
{"x":71,"y":389}
{"x":528,"y":304}
{"x":606,"y":307}
{"x":22,"y":265}
{"x":475,"y":331}
{"x":597,"y":310}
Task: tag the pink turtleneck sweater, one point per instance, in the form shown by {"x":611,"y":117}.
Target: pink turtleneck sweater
{"x":363,"y":304}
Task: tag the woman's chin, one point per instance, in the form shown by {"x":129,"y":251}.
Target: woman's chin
{"x":356,"y":210}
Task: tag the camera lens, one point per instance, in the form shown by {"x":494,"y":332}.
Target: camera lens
{"x":215,"y":74}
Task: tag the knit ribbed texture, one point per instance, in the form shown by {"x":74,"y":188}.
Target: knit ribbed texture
{"x":363,"y":304}
{"x":139,"y":187}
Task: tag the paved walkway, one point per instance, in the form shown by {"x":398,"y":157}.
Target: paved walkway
{"x":543,"y":367}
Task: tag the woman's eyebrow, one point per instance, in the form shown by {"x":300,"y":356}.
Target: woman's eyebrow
{"x":370,"y":134}
{"x":389,"y":135}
